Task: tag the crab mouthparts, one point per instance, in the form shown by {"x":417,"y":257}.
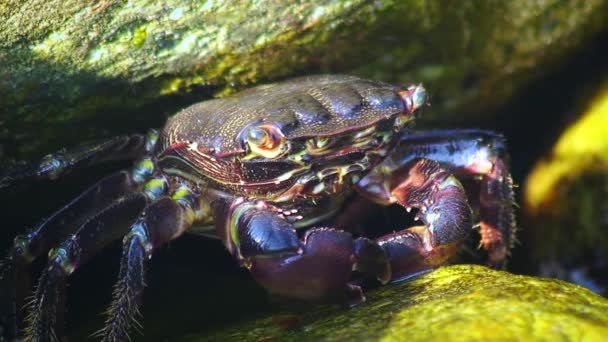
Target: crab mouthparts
{"x":348,"y":151}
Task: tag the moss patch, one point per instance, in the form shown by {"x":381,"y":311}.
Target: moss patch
{"x":55,"y":55}
{"x":462,"y":302}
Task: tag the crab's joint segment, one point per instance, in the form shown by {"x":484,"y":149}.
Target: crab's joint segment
{"x":52,"y":165}
{"x":151,"y":139}
{"x":21,"y":249}
{"x":139,"y":233}
{"x":59,"y":257}
{"x":143,"y":170}
{"x":154,"y":188}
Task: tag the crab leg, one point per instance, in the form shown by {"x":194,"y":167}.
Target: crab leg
{"x":473,"y":154}
{"x":319,"y":265}
{"x":14,"y":268}
{"x":54,"y":165}
{"x":163,"y":220}
{"x":46,"y":311}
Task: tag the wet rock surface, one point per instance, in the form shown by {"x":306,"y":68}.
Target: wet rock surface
{"x":461,"y":302}
{"x":76,"y":70}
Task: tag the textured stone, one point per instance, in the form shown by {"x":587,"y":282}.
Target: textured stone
{"x":456,"y":303}
{"x":71,"y":70}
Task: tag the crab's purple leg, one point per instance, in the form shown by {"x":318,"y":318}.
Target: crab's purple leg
{"x":54,"y":165}
{"x":319,"y":265}
{"x":163,"y":220}
{"x":442,"y":207}
{"x":473,"y":154}
{"x":14,"y":268}
{"x":111,"y":223}
{"x":46,"y":310}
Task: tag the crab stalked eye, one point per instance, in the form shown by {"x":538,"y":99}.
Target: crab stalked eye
{"x":265,"y":140}
{"x":413,"y":98}
{"x":258,"y":136}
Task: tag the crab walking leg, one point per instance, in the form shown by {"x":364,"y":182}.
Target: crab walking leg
{"x":54,"y":165}
{"x":163,"y":220}
{"x":320,"y":265}
{"x":443,"y":208}
{"x":14,"y":268}
{"x":472,"y":154}
{"x":111,"y":223}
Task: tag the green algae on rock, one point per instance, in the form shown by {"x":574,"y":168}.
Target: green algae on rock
{"x":461,"y":302}
{"x":74,"y":66}
{"x":569,"y":188}
{"x":566,"y":199}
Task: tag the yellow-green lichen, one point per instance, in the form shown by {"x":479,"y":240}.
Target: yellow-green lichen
{"x":456,"y":303}
{"x":47,"y":46}
{"x":566,"y":194}
{"x":583,"y":147}
{"x":139,"y":36}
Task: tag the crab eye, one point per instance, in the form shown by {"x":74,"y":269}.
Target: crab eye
{"x":258,"y":136}
{"x":265,"y":140}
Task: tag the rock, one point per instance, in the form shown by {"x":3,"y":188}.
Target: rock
{"x":79,"y":70}
{"x":462,"y":302}
{"x":566,"y":198}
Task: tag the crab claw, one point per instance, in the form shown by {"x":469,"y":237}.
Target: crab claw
{"x":320,"y":265}
{"x":322,"y":268}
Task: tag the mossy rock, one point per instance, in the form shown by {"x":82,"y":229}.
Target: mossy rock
{"x":566,"y":194}
{"x":73,"y":70}
{"x":462,"y":302}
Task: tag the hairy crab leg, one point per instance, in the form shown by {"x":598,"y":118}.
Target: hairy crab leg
{"x":470,"y":154}
{"x":163,"y":220}
{"x":14,"y":268}
{"x":54,"y":165}
{"x":320,"y":265}
{"x":46,"y":310}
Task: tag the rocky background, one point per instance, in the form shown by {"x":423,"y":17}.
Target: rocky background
{"x":534,"y":70}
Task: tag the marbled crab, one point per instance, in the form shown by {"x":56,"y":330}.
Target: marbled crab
{"x":253,"y":169}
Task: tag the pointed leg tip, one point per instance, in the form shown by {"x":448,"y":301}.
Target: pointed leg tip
{"x":355,"y":295}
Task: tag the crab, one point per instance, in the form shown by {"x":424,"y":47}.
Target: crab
{"x":260,"y":170}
